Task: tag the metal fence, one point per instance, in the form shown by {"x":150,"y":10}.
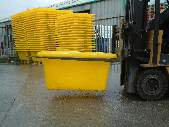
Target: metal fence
{"x":108,"y":13}
{"x":104,"y":29}
{"x":6,"y":41}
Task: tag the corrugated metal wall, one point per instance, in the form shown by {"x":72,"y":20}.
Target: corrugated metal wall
{"x":107,"y":16}
{"x":107,"y":9}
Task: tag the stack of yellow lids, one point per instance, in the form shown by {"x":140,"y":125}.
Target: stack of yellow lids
{"x":75,"y":32}
{"x":59,"y":14}
{"x":18,"y":27}
{"x":38,"y":30}
{"x":34,"y":29}
{"x":50,"y":29}
{"x":52,"y":26}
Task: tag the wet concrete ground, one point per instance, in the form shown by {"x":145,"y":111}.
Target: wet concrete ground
{"x":25,"y":102}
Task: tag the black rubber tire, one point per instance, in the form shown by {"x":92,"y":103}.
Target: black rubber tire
{"x":152,"y":84}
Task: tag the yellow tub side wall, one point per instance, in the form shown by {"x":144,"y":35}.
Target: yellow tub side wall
{"x":76,"y":75}
{"x":33,"y":54}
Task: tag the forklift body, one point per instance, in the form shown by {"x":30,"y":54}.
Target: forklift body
{"x":144,"y":53}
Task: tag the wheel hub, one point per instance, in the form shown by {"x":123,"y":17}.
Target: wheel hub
{"x":152,"y":86}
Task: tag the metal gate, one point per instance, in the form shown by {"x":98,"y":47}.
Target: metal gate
{"x":6,"y":40}
{"x":108,"y":14}
{"x":104,"y":29}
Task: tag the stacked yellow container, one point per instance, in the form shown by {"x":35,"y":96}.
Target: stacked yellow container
{"x":19,"y":36}
{"x":53,"y":17}
{"x":34,"y":31}
{"x":40,"y":35}
{"x":75,"y":32}
{"x":59,"y":14}
{"x":50,"y":29}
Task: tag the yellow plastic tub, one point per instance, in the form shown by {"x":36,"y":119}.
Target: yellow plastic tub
{"x":73,"y":70}
{"x":34,"y":59}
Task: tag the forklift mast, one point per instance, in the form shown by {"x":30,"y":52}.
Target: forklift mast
{"x":135,"y":36}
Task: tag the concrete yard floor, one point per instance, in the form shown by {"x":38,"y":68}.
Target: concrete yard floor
{"x":25,"y":102}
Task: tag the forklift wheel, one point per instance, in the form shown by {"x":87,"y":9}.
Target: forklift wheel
{"x":152,"y":84}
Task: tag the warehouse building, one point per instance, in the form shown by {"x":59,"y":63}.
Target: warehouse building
{"x":107,"y":16}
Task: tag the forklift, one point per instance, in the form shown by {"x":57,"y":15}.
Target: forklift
{"x":144,"y":51}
